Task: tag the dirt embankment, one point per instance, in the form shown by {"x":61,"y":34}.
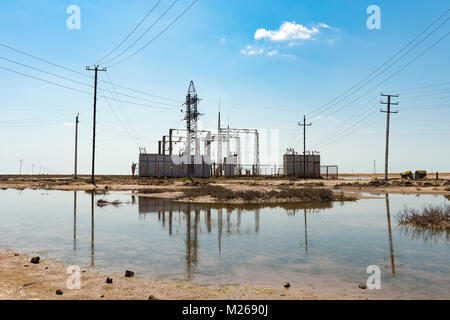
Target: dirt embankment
{"x":259,"y":189}
{"x":22,"y":280}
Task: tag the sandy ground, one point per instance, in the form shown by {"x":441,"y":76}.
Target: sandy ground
{"x":22,"y":280}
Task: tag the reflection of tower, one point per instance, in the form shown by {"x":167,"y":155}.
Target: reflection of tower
{"x":74,"y":221}
{"x":191,"y":118}
{"x":391,"y":245}
{"x":92,"y":228}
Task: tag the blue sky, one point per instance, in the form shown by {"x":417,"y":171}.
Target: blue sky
{"x":269,"y":62}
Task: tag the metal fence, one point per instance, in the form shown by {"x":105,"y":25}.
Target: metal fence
{"x":329,"y":172}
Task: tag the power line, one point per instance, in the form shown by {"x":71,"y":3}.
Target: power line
{"x":380,"y":67}
{"x":388,"y":67}
{"x":392,"y":75}
{"x":81,"y":91}
{"x":132,"y":31}
{"x":83,"y":74}
{"x":157,"y":36}
{"x":143,"y":34}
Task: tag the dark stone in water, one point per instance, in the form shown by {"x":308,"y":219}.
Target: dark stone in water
{"x":16,"y":254}
{"x":362,"y":286}
{"x":152,"y":297}
{"x":109,"y":280}
{"x":129,"y":274}
{"x":59,"y":292}
{"x":35,"y":260}
{"x":287,"y":284}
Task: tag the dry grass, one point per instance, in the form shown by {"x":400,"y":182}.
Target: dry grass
{"x":431,"y":216}
{"x":223,"y":194}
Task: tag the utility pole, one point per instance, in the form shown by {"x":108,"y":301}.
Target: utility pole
{"x":96,"y":69}
{"x":388,"y":113}
{"x":20,"y":170}
{"x":76,"y":145}
{"x":304,"y":125}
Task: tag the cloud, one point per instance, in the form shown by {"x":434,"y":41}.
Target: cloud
{"x":67,"y":124}
{"x":289,"y":31}
{"x":252,"y":51}
{"x":223,"y":40}
{"x":272,"y":53}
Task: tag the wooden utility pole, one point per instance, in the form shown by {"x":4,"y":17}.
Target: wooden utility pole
{"x":76,"y":145}
{"x":96,"y":69}
{"x":388,"y":113}
{"x":304,"y":125}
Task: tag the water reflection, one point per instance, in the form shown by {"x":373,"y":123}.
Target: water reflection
{"x":391,"y":245}
{"x":75,"y":220}
{"x":92,"y":228}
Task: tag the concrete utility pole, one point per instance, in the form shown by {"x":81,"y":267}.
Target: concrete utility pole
{"x":388,"y":113}
{"x":20,"y":170}
{"x":76,"y":145}
{"x":96,"y":69}
{"x":304,"y":125}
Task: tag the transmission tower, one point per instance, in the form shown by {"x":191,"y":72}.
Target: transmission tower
{"x":191,"y":118}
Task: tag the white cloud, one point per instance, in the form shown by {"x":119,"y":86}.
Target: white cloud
{"x":223,"y":40}
{"x":67,"y":124}
{"x":272,"y":53}
{"x":289,"y":31}
{"x":252,"y":51}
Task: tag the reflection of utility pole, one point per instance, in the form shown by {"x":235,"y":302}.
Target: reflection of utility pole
{"x":388,"y":117}
{"x":92,"y":228}
{"x":188,"y":238}
{"x":75,"y":220}
{"x":256,"y":220}
{"x":170,"y":222}
{"x":219,"y":225}
{"x":306,"y":233}
{"x":391,"y":245}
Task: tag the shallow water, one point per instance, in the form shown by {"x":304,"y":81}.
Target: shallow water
{"x":325,"y":249}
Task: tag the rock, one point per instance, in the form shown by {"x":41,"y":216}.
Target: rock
{"x":46,"y":268}
{"x":152,"y":297}
{"x":362,"y":286}
{"x":102,"y":296}
{"x":35,"y":260}
{"x":109,"y":280}
{"x":16,"y":254}
{"x":59,"y":292}
{"x":129,"y":274}
{"x":106,"y":187}
{"x":287,"y":284}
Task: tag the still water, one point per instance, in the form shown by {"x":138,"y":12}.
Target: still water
{"x":325,"y":248}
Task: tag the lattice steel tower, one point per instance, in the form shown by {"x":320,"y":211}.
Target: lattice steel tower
{"x":191,"y":118}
